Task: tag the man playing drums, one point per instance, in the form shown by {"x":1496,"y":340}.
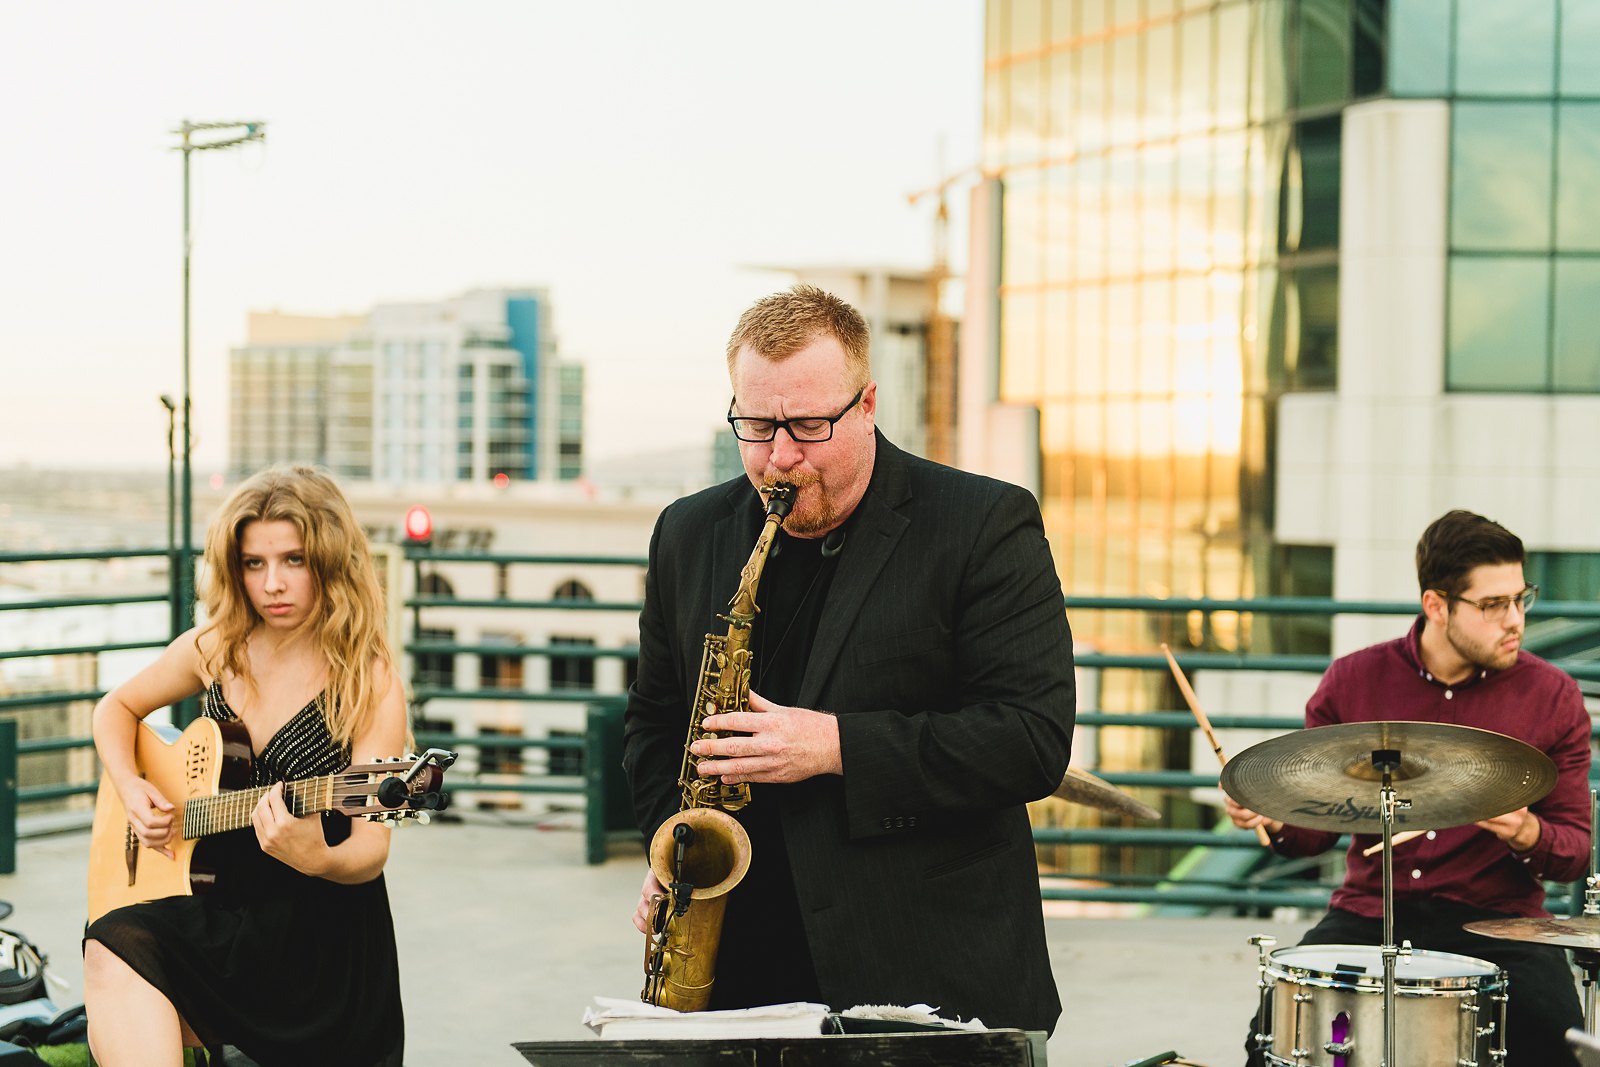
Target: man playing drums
{"x":1462,"y":663}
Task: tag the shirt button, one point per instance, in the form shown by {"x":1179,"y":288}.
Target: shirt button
{"x":1432,"y":834}
{"x":1416,"y":874}
{"x":1449,"y":694}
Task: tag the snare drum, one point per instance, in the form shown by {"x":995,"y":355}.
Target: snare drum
{"x":1324,"y":1008}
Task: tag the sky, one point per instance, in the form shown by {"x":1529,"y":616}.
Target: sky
{"x":639,"y":159}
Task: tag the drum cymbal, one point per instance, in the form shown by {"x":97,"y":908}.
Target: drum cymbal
{"x":1322,"y":778}
{"x":1580,"y":931}
{"x":1081,"y":787}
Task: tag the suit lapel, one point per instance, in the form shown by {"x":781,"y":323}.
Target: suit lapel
{"x":874,"y":532}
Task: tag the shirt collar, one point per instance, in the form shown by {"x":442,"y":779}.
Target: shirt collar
{"x":1411,"y":651}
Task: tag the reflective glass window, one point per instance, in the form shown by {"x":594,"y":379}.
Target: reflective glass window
{"x":1317,"y":356}
{"x":1575,"y":343}
{"x":1319,"y":180}
{"x":1020,"y":378}
{"x":1500,"y":176}
{"x":1026,"y":117}
{"x":1089,"y":340}
{"x":1059,"y":104}
{"x":1505,"y":48}
{"x":1091,"y":16}
{"x":1368,"y":46}
{"x":1089,"y":221}
{"x":1058,"y":224}
{"x":1578,"y":177}
{"x":1024,"y":223}
{"x":1154,"y":372}
{"x":1499,"y":323}
{"x":1125,"y":85}
{"x":1062,"y":25}
{"x":1122,"y":338}
{"x":1091,"y":97}
{"x":1323,"y":53}
{"x":1419,"y":47}
{"x":1194,"y":73}
{"x":1027,"y":25}
{"x":1157,"y":236}
{"x":1230,"y":212}
{"x":1056,"y":343}
{"x":1122,"y":213}
{"x":1160,"y":82}
{"x":1233,"y":74}
{"x":1580,"y":44}
{"x":1268,"y":76}
{"x":1192,"y":236}
{"x":996,"y":32}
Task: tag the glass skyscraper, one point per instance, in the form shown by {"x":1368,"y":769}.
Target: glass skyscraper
{"x":1286,"y":279}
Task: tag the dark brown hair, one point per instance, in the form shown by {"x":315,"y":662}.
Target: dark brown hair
{"x":1455,"y":543}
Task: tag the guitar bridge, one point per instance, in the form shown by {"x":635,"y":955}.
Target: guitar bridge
{"x":130,"y":852}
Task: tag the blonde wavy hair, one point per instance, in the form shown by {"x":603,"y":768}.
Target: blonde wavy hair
{"x":347,"y":621}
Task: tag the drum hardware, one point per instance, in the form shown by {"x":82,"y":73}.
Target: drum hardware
{"x":1579,"y":933}
{"x":1319,"y":778}
{"x":1325,"y":1008}
{"x":1080,"y":787}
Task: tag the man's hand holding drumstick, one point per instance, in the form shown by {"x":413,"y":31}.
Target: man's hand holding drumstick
{"x":1242,"y":817}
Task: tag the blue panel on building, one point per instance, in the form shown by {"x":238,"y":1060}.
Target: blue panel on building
{"x":522,"y":315}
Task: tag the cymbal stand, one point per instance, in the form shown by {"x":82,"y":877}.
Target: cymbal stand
{"x":1588,"y":959}
{"x":1387,"y":761}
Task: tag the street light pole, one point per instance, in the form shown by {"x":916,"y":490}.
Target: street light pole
{"x":211,"y":135}
{"x":174,"y":593}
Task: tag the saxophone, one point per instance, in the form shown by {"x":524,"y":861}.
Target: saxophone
{"x":702,"y":852}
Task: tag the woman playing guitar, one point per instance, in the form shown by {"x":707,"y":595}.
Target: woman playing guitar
{"x":290,"y":957}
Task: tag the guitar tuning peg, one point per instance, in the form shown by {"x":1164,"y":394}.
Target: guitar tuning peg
{"x":423,"y":817}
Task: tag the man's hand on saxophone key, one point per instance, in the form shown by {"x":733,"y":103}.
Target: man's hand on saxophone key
{"x":652,"y":888}
{"x":770,"y":743}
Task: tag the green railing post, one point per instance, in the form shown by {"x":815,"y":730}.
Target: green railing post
{"x":8,"y":796}
{"x":608,"y":806}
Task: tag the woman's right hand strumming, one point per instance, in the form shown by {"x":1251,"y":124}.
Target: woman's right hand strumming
{"x":149,"y":814}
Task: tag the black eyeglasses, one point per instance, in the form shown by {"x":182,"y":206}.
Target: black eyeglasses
{"x":1494,"y":608}
{"x":808,"y":428}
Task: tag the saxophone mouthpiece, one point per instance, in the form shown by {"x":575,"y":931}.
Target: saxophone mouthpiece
{"x":780,"y":498}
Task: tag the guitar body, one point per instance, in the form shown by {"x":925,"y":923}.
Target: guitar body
{"x":205,"y":759}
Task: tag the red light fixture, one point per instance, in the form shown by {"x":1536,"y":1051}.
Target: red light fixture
{"x":419,"y":524}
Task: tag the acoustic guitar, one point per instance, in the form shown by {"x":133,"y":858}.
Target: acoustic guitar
{"x":204,"y":772}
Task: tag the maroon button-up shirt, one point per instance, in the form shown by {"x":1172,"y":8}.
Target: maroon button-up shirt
{"x":1531,"y":701}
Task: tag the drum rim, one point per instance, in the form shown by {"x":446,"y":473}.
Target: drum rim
{"x":1481,"y":973}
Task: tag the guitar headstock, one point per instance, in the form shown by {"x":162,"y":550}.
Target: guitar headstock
{"x":395,"y":789}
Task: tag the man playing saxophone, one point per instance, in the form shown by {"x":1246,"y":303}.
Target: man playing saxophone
{"x":910,"y":689}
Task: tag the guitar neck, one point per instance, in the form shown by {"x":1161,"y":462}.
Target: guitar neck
{"x":231,"y":810}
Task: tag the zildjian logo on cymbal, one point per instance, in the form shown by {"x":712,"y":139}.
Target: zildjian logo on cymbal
{"x":1346,"y":810}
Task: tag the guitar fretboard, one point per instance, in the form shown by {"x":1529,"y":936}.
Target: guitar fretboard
{"x":231,"y":811}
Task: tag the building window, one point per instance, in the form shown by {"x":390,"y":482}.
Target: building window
{"x":572,"y":589}
{"x":572,"y":672}
{"x":436,"y":669}
{"x":500,"y":759}
{"x":565,"y":760}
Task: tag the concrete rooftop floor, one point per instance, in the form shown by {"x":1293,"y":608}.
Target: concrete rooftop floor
{"x":505,"y":934}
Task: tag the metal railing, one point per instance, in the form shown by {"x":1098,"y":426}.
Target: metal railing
{"x":594,"y":757}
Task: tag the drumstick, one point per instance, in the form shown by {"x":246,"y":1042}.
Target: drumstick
{"x":1205,"y":725}
{"x":1402,"y":836}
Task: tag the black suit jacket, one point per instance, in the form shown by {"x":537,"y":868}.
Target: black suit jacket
{"x":944,"y":651}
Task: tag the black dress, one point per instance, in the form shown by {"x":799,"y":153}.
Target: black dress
{"x":288,"y":968}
